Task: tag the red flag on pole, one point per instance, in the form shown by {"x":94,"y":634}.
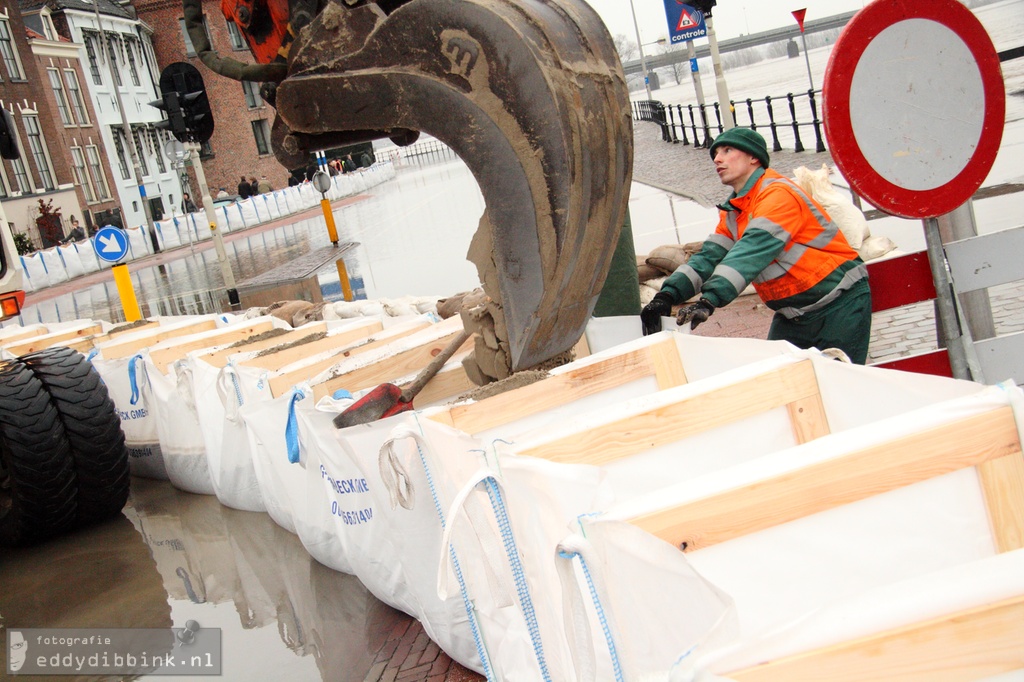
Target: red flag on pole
{"x":798,"y":14}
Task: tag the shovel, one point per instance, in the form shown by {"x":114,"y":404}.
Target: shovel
{"x":388,"y":399}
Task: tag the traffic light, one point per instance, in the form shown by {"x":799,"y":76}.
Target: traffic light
{"x":184,"y":99}
{"x":175,"y":117}
{"x":704,"y":6}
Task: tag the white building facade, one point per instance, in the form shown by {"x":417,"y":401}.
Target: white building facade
{"x":124,"y":41}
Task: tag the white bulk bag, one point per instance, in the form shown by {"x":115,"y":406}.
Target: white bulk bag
{"x":125,"y":379}
{"x":72,"y":263}
{"x":138,"y":242}
{"x":219,"y":395}
{"x":87,"y":256}
{"x":36,"y":277}
{"x":54,"y":266}
{"x":181,"y":439}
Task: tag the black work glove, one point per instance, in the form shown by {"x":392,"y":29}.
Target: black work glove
{"x":652,"y":313}
{"x":695,"y":313}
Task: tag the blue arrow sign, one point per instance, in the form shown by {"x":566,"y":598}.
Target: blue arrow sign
{"x":684,"y":22}
{"x":111,"y":244}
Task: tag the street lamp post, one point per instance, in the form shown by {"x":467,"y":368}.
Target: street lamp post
{"x":643,"y":60}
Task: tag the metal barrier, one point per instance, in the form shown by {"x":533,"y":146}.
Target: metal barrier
{"x":679,"y":123}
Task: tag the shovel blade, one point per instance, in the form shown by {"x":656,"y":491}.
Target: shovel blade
{"x":383,"y":401}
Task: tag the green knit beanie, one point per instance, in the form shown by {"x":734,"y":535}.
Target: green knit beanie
{"x":745,"y":140}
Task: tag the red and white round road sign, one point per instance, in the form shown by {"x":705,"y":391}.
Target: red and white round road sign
{"x":914,"y":105}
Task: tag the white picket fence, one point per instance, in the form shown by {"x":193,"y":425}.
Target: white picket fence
{"x":59,"y":264}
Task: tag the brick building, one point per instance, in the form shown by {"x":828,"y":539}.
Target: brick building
{"x":240,"y":144}
{"x":121,"y":75}
{"x":75,"y":137}
{"x":42,"y":175}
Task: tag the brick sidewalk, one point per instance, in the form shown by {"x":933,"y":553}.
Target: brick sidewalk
{"x":410,"y":656}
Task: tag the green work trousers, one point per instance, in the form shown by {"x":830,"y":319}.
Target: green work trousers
{"x":845,"y":323}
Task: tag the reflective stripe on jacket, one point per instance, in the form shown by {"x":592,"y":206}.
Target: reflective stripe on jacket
{"x":774,"y":236}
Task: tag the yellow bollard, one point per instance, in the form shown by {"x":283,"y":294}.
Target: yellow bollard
{"x":346,"y":286}
{"x":332,"y":231}
{"x":127,"y":293}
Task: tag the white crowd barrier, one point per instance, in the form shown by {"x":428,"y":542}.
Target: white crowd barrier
{"x":58,"y":264}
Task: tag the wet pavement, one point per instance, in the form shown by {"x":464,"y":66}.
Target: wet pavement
{"x":174,"y":557}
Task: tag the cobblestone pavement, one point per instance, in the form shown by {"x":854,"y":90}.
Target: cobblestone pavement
{"x":688,"y":172}
{"x":410,"y":656}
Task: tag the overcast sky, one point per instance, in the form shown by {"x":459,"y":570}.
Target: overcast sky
{"x":731,"y":17}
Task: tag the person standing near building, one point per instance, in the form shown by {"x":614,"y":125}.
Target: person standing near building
{"x":244,"y":189}
{"x":187,"y":205}
{"x":772,"y":234}
{"x":264,"y":185}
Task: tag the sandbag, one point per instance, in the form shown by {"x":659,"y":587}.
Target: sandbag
{"x":839,"y":206}
{"x":54,"y":266}
{"x":87,"y":256}
{"x":72,"y":263}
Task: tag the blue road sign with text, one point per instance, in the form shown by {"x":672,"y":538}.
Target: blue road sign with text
{"x":111,"y":244}
{"x":684,"y":22}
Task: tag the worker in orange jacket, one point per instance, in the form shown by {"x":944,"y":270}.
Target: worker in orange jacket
{"x":772,"y":234}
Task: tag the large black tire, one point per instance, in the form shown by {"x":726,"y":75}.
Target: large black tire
{"x":37,"y":475}
{"x":93,"y":430}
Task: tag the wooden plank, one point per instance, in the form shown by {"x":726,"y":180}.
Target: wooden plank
{"x":826,"y":485}
{"x":20,"y":334}
{"x":51,"y":339}
{"x":808,"y":418}
{"x":564,"y":387}
{"x":175,"y":349}
{"x":275,"y":360}
{"x":1002,"y":483}
{"x":967,"y":645}
{"x":669,"y":423}
{"x":394,"y":366}
{"x":284,"y":382}
{"x":447,"y":384}
{"x":668,"y":366}
{"x":134,"y":342}
{"x":219,"y":358}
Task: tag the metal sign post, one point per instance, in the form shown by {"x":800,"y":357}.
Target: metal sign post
{"x":218,"y":239}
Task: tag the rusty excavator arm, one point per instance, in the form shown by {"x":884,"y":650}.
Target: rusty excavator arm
{"x":529,"y":93}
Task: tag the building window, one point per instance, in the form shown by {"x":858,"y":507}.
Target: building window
{"x":21,"y":176}
{"x":141,"y":150}
{"x":75,"y":96}
{"x":158,"y":149}
{"x":48,"y":30}
{"x":81,"y":175}
{"x":251,"y":89}
{"x":122,"y":160}
{"x":113,"y":61}
{"x":261,"y":131}
{"x":131,"y":63}
{"x":94,"y":68}
{"x":190,"y":49}
{"x":62,"y":101}
{"x":237,"y":41}
{"x":8,"y":53}
{"x":38,"y":147}
{"x":96,"y":167}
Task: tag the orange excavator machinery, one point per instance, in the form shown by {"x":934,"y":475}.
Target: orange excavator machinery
{"x":529,"y":93}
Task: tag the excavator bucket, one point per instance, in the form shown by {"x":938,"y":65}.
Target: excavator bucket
{"x":531,"y":95}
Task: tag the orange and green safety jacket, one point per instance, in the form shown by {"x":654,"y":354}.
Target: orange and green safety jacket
{"x":771,"y":234}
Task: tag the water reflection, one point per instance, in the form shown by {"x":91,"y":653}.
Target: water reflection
{"x":413,"y":233}
{"x":282,"y":615}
